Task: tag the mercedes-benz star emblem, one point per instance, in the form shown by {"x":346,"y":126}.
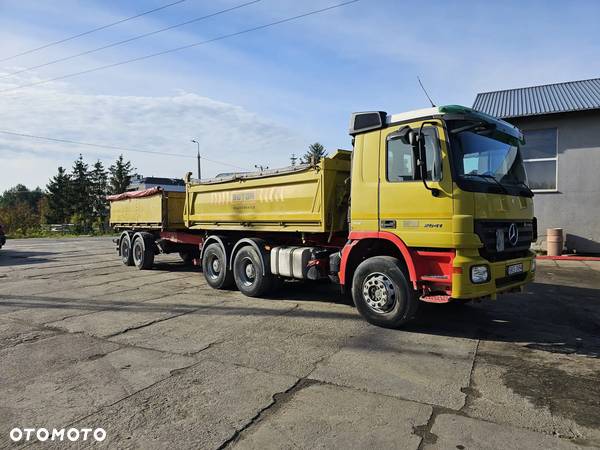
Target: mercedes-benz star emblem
{"x":513,"y":234}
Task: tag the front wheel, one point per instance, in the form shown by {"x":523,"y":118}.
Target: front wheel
{"x":382,"y":293}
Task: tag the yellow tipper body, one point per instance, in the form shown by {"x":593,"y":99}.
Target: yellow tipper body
{"x":303,"y":199}
{"x":161,"y":211}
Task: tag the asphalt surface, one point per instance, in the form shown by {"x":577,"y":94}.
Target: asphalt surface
{"x":158,"y":359}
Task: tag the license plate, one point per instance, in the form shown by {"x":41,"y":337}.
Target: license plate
{"x":514,"y":269}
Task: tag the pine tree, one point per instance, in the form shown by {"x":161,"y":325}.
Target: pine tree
{"x":81,"y":195}
{"x":59,"y":197}
{"x":314,"y":153}
{"x":120,"y":175}
{"x":98,"y":191}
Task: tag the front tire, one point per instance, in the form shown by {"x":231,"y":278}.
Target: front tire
{"x":382,"y":293}
{"x":214,"y":267}
{"x":251,"y":277}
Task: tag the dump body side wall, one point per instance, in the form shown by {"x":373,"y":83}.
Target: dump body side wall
{"x":161,"y":211}
{"x":313,"y":200}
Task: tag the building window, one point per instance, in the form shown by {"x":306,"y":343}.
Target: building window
{"x":540,"y":158}
{"x":400,"y":159}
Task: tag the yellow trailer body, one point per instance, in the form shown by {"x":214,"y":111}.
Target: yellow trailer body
{"x":301,"y":199}
{"x":159,"y":210}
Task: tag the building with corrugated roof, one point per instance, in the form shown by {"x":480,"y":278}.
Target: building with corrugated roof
{"x":561,"y":125}
{"x":139,"y":183}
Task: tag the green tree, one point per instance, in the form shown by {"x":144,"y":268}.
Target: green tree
{"x":82,"y":208}
{"x":59,"y":197}
{"x":314,"y":153}
{"x":19,"y":209}
{"x":20,"y":193}
{"x":99,"y":189}
{"x":120,"y":175}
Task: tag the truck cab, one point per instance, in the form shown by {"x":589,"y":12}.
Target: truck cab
{"x":444,"y":191}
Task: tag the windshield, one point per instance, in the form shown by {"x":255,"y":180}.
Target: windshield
{"x":483,"y":156}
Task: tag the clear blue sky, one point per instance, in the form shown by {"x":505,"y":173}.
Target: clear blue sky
{"x":257,"y":98}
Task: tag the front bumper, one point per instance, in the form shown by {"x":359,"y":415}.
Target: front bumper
{"x":499,"y":281}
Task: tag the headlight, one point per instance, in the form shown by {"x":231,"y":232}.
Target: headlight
{"x":533,"y":265}
{"x":480,"y":274}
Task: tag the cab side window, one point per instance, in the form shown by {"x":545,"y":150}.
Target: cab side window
{"x":401,"y":164}
{"x":400,"y":161}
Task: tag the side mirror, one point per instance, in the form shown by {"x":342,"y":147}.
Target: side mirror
{"x":408,"y":136}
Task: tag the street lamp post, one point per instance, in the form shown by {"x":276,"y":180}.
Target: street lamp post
{"x":198,"y":156}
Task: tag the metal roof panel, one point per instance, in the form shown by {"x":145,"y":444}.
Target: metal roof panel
{"x":545,"y":99}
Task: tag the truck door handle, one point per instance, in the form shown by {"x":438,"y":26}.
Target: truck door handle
{"x":388,"y":223}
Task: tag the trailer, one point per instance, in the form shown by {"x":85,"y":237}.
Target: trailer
{"x":429,"y":206}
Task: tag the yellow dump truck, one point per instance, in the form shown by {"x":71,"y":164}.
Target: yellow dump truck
{"x":429,"y":206}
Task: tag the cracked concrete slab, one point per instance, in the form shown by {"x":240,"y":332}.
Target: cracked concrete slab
{"x":14,"y":332}
{"x":194,"y":332}
{"x":200,"y":407}
{"x":324,"y":416}
{"x":73,"y":380}
{"x":419,"y":367}
{"x":547,"y":392}
{"x":296,"y":341}
{"x":458,"y":432}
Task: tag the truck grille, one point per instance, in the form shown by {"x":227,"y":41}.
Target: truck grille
{"x":487,"y":229}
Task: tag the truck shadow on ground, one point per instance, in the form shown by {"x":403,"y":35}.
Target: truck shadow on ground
{"x":20,"y":258}
{"x":549,"y":317}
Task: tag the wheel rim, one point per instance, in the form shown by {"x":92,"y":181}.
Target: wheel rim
{"x":137,"y":252}
{"x":213,"y":267}
{"x":379,"y":293}
{"x":248,"y":272}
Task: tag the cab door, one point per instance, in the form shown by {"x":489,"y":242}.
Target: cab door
{"x":406,"y":207}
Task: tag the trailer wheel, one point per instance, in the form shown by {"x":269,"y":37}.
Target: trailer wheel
{"x":382,"y":293}
{"x":214,"y":267}
{"x":125,"y":250}
{"x":143,"y":251}
{"x":248,"y":273}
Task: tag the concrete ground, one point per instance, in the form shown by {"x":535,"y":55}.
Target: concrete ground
{"x":158,"y":359}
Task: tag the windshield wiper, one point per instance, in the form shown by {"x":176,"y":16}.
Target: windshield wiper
{"x":487,"y":176}
{"x":529,"y":191}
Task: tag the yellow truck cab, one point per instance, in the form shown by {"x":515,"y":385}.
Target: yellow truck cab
{"x":447,"y":187}
{"x":430,"y":206}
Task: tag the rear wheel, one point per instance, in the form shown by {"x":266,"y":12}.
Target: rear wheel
{"x":382,"y":293}
{"x":143,"y":251}
{"x":125,"y":250}
{"x":214,"y":267}
{"x":250,"y":275}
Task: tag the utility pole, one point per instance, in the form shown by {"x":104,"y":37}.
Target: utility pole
{"x":198,"y":156}
{"x":293,"y":158}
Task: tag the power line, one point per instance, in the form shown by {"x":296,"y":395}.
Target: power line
{"x":112,"y":147}
{"x":134,"y":38}
{"x":103,"y":27}
{"x":184,"y":47}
